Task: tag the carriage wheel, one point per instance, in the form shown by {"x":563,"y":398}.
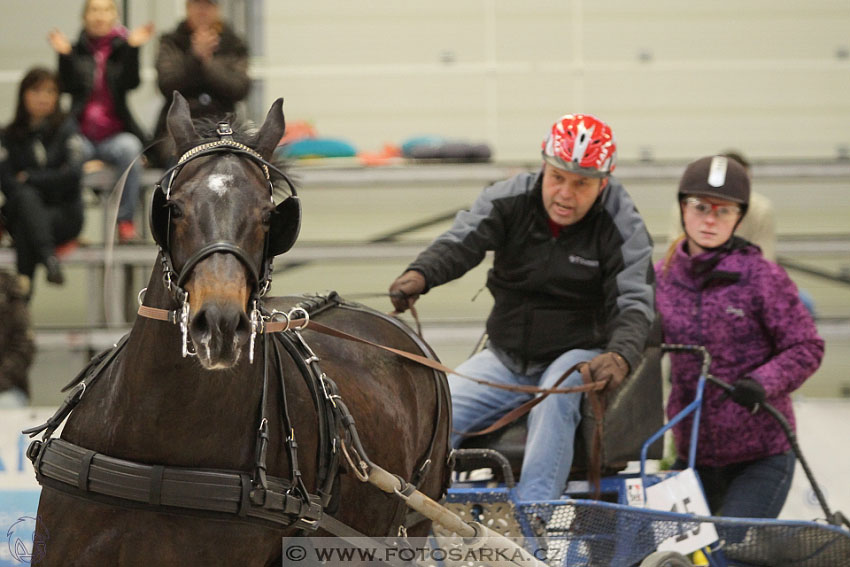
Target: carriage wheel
{"x":666,"y":559}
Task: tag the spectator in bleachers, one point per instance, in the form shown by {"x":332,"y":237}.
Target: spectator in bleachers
{"x":717,"y":290}
{"x":99,"y":70}
{"x":17,"y":346}
{"x":206,"y":62}
{"x":40,"y":169}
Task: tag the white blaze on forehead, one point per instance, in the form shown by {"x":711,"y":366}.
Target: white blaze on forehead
{"x":220,"y":183}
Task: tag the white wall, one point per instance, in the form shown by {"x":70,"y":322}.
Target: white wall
{"x":675,"y":79}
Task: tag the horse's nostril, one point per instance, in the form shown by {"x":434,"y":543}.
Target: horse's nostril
{"x":201,"y":324}
{"x":243,"y":325}
{"x":218,"y":326}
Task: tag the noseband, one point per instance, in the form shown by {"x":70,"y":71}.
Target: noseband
{"x":160,"y":221}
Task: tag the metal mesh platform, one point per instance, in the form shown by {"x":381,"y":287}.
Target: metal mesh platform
{"x":587,"y":533}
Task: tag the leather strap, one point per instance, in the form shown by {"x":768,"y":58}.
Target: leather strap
{"x":59,"y":464}
{"x":158,"y":314}
{"x":278,"y":326}
{"x":587,"y":387}
{"x":523,"y":409}
{"x":597,"y":405}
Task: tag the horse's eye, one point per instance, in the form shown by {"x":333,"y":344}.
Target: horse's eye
{"x":176,"y":210}
{"x":267,"y":218}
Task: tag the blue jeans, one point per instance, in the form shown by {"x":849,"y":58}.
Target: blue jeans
{"x":119,"y":151}
{"x":753,"y":489}
{"x":551,"y":425}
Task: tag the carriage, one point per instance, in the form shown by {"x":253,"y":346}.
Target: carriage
{"x":227,"y":421}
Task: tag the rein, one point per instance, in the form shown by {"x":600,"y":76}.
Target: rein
{"x":268,"y":324}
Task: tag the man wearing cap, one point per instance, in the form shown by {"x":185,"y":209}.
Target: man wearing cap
{"x":572,"y":281}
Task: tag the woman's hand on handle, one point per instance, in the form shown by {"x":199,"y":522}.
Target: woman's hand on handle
{"x":748,"y":393}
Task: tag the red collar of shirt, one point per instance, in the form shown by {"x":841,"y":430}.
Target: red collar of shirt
{"x":554,"y":227}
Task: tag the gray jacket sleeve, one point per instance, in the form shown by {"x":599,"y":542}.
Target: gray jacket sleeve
{"x":629,"y":279}
{"x":473,"y":233}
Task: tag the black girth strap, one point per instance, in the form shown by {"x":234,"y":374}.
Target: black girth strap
{"x":120,"y":482}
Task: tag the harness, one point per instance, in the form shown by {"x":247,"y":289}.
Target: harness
{"x":283,"y":232}
{"x":256,"y":496}
{"x":234,"y":495}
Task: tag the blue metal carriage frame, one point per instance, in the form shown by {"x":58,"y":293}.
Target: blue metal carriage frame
{"x":583,"y":532}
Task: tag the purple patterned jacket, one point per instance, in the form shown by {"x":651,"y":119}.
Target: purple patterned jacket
{"x":747,"y":313}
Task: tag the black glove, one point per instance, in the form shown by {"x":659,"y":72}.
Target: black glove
{"x":609,"y":366}
{"x":748,"y":393}
{"x":406,"y":289}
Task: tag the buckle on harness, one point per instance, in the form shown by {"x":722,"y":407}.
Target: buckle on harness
{"x":34,"y":450}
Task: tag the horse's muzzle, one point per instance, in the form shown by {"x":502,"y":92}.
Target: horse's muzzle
{"x":219,"y":332}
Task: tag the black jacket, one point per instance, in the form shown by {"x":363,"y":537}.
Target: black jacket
{"x":591,"y":287}
{"x":212,"y":89}
{"x":76,"y":73}
{"x":53,"y":160}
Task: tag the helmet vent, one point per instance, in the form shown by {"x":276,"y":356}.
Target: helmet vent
{"x":717,"y":171}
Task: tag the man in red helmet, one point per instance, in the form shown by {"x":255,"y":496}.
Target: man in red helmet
{"x":572,"y":280}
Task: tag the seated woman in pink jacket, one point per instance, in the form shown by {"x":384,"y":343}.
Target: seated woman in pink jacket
{"x":717,"y":290}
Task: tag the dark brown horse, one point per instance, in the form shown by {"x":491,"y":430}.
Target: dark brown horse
{"x":154,"y":406}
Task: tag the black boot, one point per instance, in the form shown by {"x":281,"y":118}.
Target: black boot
{"x":54,"y":271}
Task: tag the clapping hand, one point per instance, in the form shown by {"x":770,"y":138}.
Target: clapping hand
{"x":59,"y":42}
{"x":141,"y":35}
{"x":204,"y":43}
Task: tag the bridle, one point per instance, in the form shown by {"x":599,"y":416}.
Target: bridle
{"x":283,"y":232}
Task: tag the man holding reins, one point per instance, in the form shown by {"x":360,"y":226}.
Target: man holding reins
{"x":572,"y":280}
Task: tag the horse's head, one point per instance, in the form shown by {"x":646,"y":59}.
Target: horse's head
{"x":218,"y":229}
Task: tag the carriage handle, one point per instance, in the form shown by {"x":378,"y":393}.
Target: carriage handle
{"x":695,"y":407}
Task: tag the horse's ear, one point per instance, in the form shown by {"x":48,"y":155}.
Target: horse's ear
{"x":271,"y":130}
{"x":180,"y":122}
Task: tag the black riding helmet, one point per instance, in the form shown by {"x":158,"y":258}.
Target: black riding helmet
{"x":717,"y":176}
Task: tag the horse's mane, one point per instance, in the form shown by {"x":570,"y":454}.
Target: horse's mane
{"x":244,"y":132}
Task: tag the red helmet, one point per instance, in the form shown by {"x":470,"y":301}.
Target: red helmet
{"x":583,"y":144}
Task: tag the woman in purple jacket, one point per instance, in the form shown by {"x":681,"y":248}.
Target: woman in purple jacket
{"x":717,"y":290}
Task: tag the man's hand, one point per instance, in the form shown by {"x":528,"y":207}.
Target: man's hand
{"x":59,"y":42}
{"x":406,"y":289}
{"x":609,"y":366}
{"x":204,"y":43}
{"x":748,"y":393}
{"x":141,"y":35}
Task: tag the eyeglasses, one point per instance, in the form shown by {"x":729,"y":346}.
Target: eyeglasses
{"x":704,"y":208}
